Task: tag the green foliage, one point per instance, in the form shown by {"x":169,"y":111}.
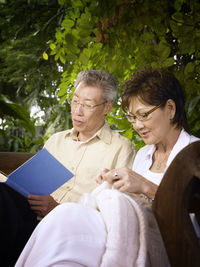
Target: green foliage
{"x":17,"y":130}
{"x":124,"y":36}
{"x":13,"y":137}
{"x":16,"y":111}
{"x":43,"y":49}
{"x":27,"y":76}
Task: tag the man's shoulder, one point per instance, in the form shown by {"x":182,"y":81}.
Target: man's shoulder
{"x":112,"y":136}
{"x":61,"y":134}
{"x":119,"y":138}
{"x":116,"y":134}
{"x":57,"y":138}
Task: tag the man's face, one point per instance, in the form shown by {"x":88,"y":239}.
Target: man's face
{"x":88,"y":121}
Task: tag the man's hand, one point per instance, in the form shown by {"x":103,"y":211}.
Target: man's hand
{"x":42,"y":205}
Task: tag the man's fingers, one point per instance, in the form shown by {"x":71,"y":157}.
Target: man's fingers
{"x":36,"y":197}
{"x":34,"y":202}
{"x":36,"y":208}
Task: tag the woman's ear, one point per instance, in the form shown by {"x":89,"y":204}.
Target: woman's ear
{"x":171,"y":108}
{"x":107,"y":108}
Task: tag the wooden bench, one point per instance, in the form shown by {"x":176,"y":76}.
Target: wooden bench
{"x":9,"y":161}
{"x":177,"y":196}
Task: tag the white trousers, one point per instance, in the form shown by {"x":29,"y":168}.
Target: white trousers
{"x":70,"y":235}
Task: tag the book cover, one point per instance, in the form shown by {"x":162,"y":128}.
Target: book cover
{"x":40,"y":175}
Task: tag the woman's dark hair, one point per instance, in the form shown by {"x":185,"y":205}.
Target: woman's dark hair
{"x":155,"y":87}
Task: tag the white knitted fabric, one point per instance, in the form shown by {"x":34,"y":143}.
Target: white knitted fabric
{"x":133,"y":237}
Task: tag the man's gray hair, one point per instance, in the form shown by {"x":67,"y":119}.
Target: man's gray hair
{"x":100,"y":79}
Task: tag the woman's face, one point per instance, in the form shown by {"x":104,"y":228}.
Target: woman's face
{"x":155,"y":128}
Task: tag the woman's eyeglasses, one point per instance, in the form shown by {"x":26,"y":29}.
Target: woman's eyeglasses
{"x":140,"y":117}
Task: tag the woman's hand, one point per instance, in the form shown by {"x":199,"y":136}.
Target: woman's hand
{"x":100,"y":179}
{"x":126,"y":180}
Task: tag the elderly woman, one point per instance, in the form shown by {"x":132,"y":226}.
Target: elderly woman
{"x":154,"y":103}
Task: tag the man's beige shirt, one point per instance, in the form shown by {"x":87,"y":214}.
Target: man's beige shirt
{"x":106,"y":149}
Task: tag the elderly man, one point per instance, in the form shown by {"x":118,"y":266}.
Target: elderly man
{"x":86,"y":149}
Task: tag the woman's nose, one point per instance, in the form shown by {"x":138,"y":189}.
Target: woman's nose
{"x":137,"y":125}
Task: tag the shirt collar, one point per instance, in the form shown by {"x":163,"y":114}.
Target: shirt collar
{"x":183,"y":140}
{"x":73,"y":133}
{"x":150,"y":151}
{"x":104,"y":134}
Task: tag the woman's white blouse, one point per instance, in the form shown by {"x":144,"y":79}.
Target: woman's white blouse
{"x":154,"y":177}
{"x":143,"y":159}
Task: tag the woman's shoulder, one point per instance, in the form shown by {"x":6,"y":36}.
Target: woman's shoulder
{"x":189,"y":137}
{"x":194,"y":138}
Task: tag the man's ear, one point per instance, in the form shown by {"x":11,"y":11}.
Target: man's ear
{"x":107,"y":108}
{"x":171,"y":108}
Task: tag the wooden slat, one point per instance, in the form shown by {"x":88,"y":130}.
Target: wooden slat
{"x":9,"y":161}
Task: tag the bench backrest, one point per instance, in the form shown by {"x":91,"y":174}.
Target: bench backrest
{"x":177,"y":196}
{"x":9,"y":161}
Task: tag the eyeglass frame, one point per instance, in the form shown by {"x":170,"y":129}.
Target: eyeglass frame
{"x":130,"y":117}
{"x":84,"y":106}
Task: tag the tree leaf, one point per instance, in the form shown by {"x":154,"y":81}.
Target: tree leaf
{"x":16,"y":111}
{"x":45,"y":56}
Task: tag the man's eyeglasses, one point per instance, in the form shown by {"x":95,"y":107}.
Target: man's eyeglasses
{"x":75,"y":103}
{"x":140,"y":117}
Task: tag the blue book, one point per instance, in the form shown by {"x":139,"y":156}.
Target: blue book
{"x":40,"y":175}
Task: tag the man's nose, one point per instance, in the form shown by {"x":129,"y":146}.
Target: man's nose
{"x":78,"y":109}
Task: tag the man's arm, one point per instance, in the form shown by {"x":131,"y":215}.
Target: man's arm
{"x":126,"y":155}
